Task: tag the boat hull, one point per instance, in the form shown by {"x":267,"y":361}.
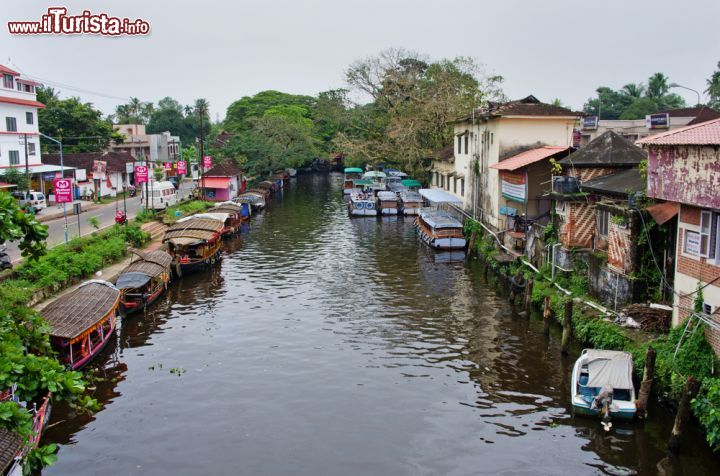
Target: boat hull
{"x":129,"y":307}
{"x":619,"y":409}
{"x":181,"y":269}
{"x":389,"y":211}
{"x":79,"y":364}
{"x":585,"y":410}
{"x":410,"y":211}
{"x":362,"y":212}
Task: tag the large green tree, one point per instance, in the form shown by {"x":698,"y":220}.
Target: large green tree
{"x":240,"y":113}
{"x":713,"y":88}
{"x":134,"y":112}
{"x":79,"y":126}
{"x":169,"y":115}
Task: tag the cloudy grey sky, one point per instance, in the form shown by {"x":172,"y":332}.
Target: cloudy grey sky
{"x":223,"y":50}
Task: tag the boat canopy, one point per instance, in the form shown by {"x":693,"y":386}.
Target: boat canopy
{"x":221,"y":217}
{"x":411,"y":183}
{"x":374,"y":174}
{"x":438,"y":219}
{"x":609,"y":368}
{"x":132,"y":280}
{"x":152,"y":264}
{"x":436,"y":195}
{"x":363,"y":182}
{"x":196,"y":228}
{"x":353,"y":170}
{"x":397,"y":173}
{"x":410,"y":196}
{"x":384,"y":195}
{"x":72,"y":315}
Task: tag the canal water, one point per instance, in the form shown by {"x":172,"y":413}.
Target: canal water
{"x":324,"y":345}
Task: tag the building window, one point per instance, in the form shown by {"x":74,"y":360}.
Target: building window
{"x":29,"y":119}
{"x":11,"y":124}
{"x":459,"y":145}
{"x":14,"y":157}
{"x":31,"y":148}
{"x":8,"y":81}
{"x":707,"y":235}
{"x":466,"y":143}
{"x":455,"y":180}
{"x":462,"y":187}
{"x":603,"y":224}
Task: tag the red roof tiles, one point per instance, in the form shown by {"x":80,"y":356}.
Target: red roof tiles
{"x":528,"y":157}
{"x":22,"y":102}
{"x":705,"y":133}
{"x":5,"y":70}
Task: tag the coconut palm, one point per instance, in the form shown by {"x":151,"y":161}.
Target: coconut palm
{"x":713,"y":88}
{"x":657,"y":86}
{"x":633,"y":90}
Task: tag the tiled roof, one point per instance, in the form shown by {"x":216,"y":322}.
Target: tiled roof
{"x":705,"y":133}
{"x":5,"y":70}
{"x":529,"y":106}
{"x":224,"y":169}
{"x":684,"y":111}
{"x":705,"y":114}
{"x":609,"y":149}
{"x":84,"y":160}
{"x":528,"y":157}
{"x":22,"y":102}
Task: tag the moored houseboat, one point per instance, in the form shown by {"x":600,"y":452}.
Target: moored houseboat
{"x":235,"y":212}
{"x":410,"y":202}
{"x":256,"y":200}
{"x":377,"y":179}
{"x":351,"y":175}
{"x":82,"y":322}
{"x":440,"y":230}
{"x":362,"y":204}
{"x":194,"y":243}
{"x":12,"y":447}
{"x":602,"y":384}
{"x":144,"y":280}
{"x":387,"y":203}
{"x":268,"y":185}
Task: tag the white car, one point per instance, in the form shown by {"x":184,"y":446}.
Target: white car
{"x":31,"y":198}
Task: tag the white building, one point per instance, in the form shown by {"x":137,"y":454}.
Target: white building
{"x":490,"y":135}
{"x":18,"y":120}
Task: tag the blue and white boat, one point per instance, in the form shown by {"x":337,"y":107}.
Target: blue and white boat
{"x":602,"y":381}
{"x":362,"y":204}
{"x":440,"y":230}
{"x":387,"y":203}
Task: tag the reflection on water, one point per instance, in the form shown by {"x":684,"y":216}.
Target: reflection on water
{"x":324,"y":345}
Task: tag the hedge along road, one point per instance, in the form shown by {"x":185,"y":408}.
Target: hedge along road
{"x":104,"y":213}
{"x":325,"y":345}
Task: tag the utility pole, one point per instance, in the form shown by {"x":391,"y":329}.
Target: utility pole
{"x":62,"y":176}
{"x":202,"y":155}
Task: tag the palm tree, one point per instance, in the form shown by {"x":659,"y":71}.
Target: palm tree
{"x":657,"y":86}
{"x":633,"y":90}
{"x":713,"y":88}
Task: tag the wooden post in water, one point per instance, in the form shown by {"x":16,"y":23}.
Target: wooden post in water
{"x":471,"y":243}
{"x":646,"y":385}
{"x":528,"y":297}
{"x":567,"y":327}
{"x":683,"y":414}
{"x":546,"y":316}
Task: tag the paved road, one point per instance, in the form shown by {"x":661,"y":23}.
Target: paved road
{"x":104,"y":213}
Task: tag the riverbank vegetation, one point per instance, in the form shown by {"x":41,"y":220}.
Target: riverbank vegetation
{"x":180,"y":210}
{"x":27,"y":362}
{"x":678,"y":356}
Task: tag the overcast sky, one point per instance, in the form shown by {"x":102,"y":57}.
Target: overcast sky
{"x":223,"y":50}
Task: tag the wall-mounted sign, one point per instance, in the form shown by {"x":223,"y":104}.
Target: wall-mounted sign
{"x":692,"y":242}
{"x":657,"y":121}
{"x":63,"y":190}
{"x":513,"y":186}
{"x":508,"y":211}
{"x":80,"y":175}
{"x":207,"y":162}
{"x":98,"y":170}
{"x":181,"y":167}
{"x":129,"y":167}
{"x":141,"y":174}
{"x":590,"y":122}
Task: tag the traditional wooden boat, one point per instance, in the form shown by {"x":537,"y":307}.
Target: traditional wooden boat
{"x":351,"y":175}
{"x":264,"y":192}
{"x":387,"y":203}
{"x":602,"y":383}
{"x":410,"y":202}
{"x":144,"y":280}
{"x":268,"y":185}
{"x":256,"y":200}
{"x":235,"y":212}
{"x":440,"y":230}
{"x":12,"y":446}
{"x":82,"y":322}
{"x":362,"y":204}
{"x":194,"y":243}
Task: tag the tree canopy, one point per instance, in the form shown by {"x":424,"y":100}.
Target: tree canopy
{"x":634,"y":100}
{"x":713,"y":88}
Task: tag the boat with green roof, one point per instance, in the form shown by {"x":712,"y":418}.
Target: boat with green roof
{"x":351,"y":175}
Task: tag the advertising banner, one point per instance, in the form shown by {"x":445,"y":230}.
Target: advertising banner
{"x":181,"y":167}
{"x":141,"y":174}
{"x":514,"y":186}
{"x":99,"y":169}
{"x":207,"y":162}
{"x":63,"y":190}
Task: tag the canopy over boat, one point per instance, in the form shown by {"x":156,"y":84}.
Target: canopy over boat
{"x":609,"y":368}
{"x":362,"y":182}
{"x":384,"y":195}
{"x":221,"y":217}
{"x":226,"y":207}
{"x":150,"y":264}
{"x":397,"y":173}
{"x":132,"y":280}
{"x":11,"y":445}
{"x":436,"y":195}
{"x":410,"y":183}
{"x":353,"y":170}
{"x":396,"y":187}
{"x":438,"y":219}
{"x":195,"y":228}
{"x":74,"y":314}
{"x":250,"y":197}
{"x":410,"y":196}
{"x":374,"y":174}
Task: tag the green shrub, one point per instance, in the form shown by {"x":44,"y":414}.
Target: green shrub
{"x":172,"y":214}
{"x":707,"y":409}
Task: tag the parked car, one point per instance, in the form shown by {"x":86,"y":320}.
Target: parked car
{"x":32,"y":199}
{"x":161,"y":195}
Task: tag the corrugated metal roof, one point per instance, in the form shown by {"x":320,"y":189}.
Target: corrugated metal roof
{"x":436,"y":195}
{"x":706,"y":133}
{"x":620,"y":183}
{"x":528,"y":157}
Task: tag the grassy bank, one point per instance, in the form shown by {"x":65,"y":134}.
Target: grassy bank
{"x":174,"y":213}
{"x":695,"y":357}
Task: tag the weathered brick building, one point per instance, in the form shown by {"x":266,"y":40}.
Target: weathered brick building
{"x":684,"y":168}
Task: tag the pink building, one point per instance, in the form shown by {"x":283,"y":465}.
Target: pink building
{"x":222,"y":182}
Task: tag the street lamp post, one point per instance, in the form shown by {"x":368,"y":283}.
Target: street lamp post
{"x":676,"y":85}
{"x":62,"y":175}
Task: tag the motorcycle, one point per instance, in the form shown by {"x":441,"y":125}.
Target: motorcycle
{"x":132,"y":191}
{"x":120,"y":217}
{"x":5,"y":262}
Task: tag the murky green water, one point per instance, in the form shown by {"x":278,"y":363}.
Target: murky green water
{"x":324,"y":345}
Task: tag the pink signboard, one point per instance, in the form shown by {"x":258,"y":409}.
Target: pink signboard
{"x":207,"y":161}
{"x":181,"y":167}
{"x":168,"y":165}
{"x":141,"y":174}
{"x":63,"y":190}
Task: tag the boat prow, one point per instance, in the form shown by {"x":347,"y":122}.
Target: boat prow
{"x":602,"y":379}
